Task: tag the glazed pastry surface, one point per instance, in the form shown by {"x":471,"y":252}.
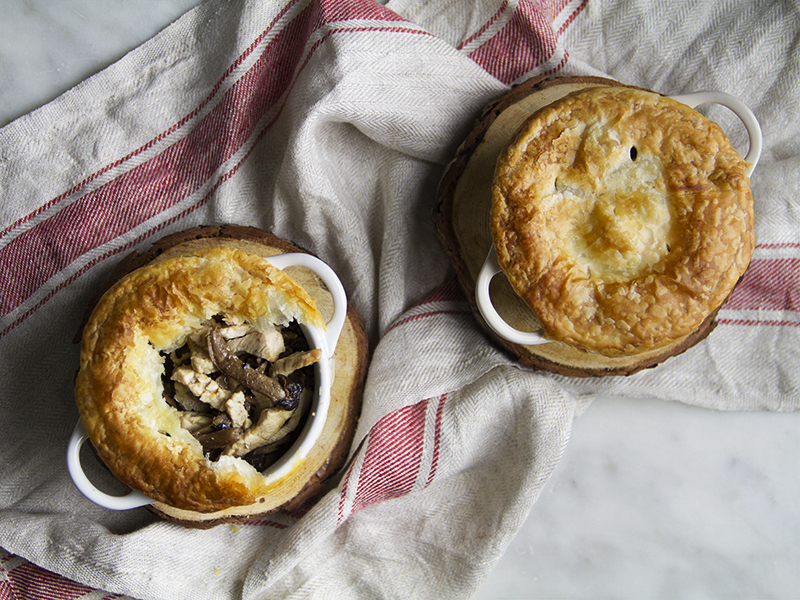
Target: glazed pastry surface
{"x":119,"y":386}
{"x":622,"y":218}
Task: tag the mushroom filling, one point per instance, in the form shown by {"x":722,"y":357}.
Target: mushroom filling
{"x":242,"y":391}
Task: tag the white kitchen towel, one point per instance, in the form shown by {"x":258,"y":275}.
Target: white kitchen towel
{"x":330,"y":123}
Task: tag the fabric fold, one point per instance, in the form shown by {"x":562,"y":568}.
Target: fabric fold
{"x":330,"y":123}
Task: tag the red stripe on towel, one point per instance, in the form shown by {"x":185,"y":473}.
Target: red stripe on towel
{"x":525,"y":42}
{"x":768,"y":284}
{"x":778,"y":246}
{"x":156,"y":185}
{"x":29,"y":581}
{"x":759,"y":322}
{"x":568,"y":21}
{"x":486,"y":26}
{"x":393,"y":456}
{"x":450,"y":291}
{"x":329,"y":12}
{"x":173,"y":175}
{"x":166,"y":133}
{"x":347,"y":10}
{"x":6,"y":591}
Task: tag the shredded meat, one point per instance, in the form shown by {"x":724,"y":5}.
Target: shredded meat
{"x":263,"y":432}
{"x":293,"y":362}
{"x":268,"y":346}
{"x":242,"y":391}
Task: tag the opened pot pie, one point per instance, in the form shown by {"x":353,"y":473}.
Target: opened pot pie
{"x":622,"y":218}
{"x":192,"y":370}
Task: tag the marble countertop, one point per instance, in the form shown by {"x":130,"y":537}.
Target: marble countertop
{"x":651,"y":499}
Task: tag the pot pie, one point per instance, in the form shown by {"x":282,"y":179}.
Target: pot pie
{"x":195,"y":376}
{"x":622,"y":218}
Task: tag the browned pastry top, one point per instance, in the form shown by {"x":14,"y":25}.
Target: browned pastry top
{"x":622,"y":218}
{"x":119,"y":386}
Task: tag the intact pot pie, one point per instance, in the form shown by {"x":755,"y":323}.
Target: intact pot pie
{"x":195,"y":376}
{"x":622,"y":218}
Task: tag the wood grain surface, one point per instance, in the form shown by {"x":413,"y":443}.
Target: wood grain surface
{"x":349,"y":361}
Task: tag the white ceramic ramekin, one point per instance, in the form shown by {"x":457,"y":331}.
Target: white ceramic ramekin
{"x":491,"y":267}
{"x":325,"y":340}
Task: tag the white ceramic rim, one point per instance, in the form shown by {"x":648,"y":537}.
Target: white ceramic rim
{"x":325,"y":340}
{"x":491,"y":267}
{"x":498,"y":324}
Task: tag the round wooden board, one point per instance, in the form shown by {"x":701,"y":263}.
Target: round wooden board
{"x":461,"y":218}
{"x":350,"y":369}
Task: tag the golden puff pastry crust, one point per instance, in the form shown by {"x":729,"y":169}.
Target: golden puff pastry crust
{"x":622,"y":218}
{"x":119,"y":385}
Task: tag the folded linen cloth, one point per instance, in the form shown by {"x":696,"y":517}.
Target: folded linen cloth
{"x":330,"y":123}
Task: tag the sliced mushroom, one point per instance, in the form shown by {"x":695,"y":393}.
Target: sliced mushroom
{"x":234,"y":393}
{"x":221,"y":438}
{"x":231,"y":365}
{"x":219,"y":434}
{"x":293,"y":390}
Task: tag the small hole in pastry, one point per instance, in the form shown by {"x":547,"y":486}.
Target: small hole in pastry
{"x":634,"y":153}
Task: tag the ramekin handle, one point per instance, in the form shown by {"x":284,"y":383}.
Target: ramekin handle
{"x":483,"y":298}
{"x":332,"y":282}
{"x":132,"y":499}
